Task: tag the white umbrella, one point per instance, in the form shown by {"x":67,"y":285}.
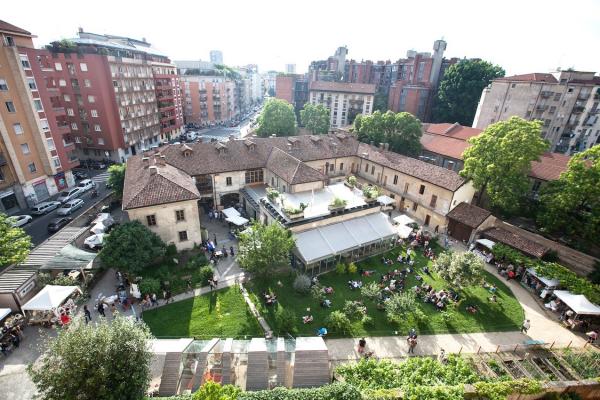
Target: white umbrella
{"x":94,"y":240}
{"x":98,"y":228}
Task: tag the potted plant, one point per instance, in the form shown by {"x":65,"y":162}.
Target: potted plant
{"x":350,"y":181}
{"x":337,"y":204}
{"x":371,"y":193}
{"x":272,"y":194}
{"x":293,"y":212}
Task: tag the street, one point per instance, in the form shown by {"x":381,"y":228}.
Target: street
{"x":221,"y":132}
{"x":37,"y":228}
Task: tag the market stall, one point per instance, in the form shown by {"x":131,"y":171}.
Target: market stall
{"x":405,"y":225}
{"x":11,"y":332}
{"x":542,"y":285}
{"x":51,"y":304}
{"x":483,"y":248}
{"x":584,"y":312}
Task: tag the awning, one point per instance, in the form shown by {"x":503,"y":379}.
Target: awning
{"x":404,"y":231}
{"x":94,"y":240}
{"x":51,"y":296}
{"x":326,"y":241}
{"x":403,"y":220}
{"x":4,"y":312}
{"x":550,"y":283}
{"x":231,"y":212}
{"x":385,"y":200}
{"x":71,"y":257}
{"x":237,"y":220}
{"x":577,"y":302}
{"x":486,"y":243}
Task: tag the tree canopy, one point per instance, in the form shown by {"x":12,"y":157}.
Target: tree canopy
{"x":14,"y":243}
{"x":315,"y":118}
{"x":459,"y":269}
{"x":116,"y":178}
{"x":262,"y":248}
{"x":460,"y":90}
{"x":277,"y":118}
{"x":401,"y":130}
{"x":499,"y":160}
{"x":572,"y":203}
{"x":131,"y":247}
{"x":99,"y":361}
{"x":380,"y":102}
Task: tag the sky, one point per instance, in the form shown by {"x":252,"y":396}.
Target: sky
{"x":521,"y":36}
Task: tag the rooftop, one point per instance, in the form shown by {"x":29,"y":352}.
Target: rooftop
{"x":291,"y":169}
{"x":10,"y":28}
{"x":454,"y":130}
{"x":518,"y":242}
{"x":364,"y":88}
{"x":533,"y":77}
{"x":549,"y":167}
{"x":447,"y":146}
{"x":469,"y":214}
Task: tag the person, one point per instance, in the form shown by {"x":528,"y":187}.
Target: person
{"x":113,"y":309}
{"x":493,"y":299}
{"x":412,"y":343}
{"x":412,"y":333}
{"x":87,"y":314}
{"x":64,"y":319}
{"x":231,"y":250}
{"x":592,"y":336}
{"x":153,"y":299}
{"x":189,"y":285}
{"x":326,"y":303}
{"x":100,"y":309}
{"x":362,"y":343}
{"x":215,"y":281}
{"x":215,"y":237}
{"x":307,"y":319}
{"x":169,"y":298}
{"x":526,"y":325}
{"x":471,"y":309}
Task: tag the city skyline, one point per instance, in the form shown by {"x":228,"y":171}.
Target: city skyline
{"x":249,"y":37}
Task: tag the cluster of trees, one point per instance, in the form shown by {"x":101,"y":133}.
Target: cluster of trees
{"x":116,"y":179}
{"x":401,"y":130}
{"x":315,"y":118}
{"x":14,"y":243}
{"x":277,"y":118}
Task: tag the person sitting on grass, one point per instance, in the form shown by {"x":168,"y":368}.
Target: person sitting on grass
{"x":439,"y":305}
{"x":307,"y":319}
{"x":355,"y":284}
{"x":471,"y":309}
{"x":493,"y":299}
{"x":367,"y":273}
{"x":328,"y":290}
{"x":326,"y":303}
{"x":400,"y":259}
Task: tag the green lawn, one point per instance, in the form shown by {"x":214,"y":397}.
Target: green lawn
{"x":177,"y":275}
{"x":221,"y":313}
{"x":505,"y":315}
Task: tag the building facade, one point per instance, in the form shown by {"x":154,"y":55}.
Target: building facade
{"x":344,"y":100}
{"x":566,"y":102}
{"x":167,"y":85}
{"x":216,"y":57}
{"x":208,"y":99}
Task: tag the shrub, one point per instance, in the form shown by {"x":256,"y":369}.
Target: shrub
{"x":206,"y":274}
{"x":354,"y":310}
{"x":501,"y":390}
{"x":399,"y":304}
{"x":211,"y":390}
{"x":149,"y":286}
{"x":337,"y":391}
{"x":368,"y":321}
{"x":419,"y":315}
{"x":317,"y":293}
{"x":370,"y":291}
{"x":569,"y":280}
{"x":370,"y":192}
{"x":337,"y":202}
{"x":285,"y":320}
{"x":63,"y":280}
{"x":351,"y":180}
{"x":338,"y":322}
{"x":446,"y":317}
{"x":171,"y":251}
{"x":352,"y":268}
{"x":340,"y":268}
{"x":302,"y":284}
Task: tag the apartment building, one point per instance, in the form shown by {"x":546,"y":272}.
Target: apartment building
{"x":216,"y":57}
{"x":290,"y":68}
{"x":566,"y":102}
{"x":208,"y":99}
{"x":344,"y":100}
{"x":167,"y":85}
{"x":36,"y":153}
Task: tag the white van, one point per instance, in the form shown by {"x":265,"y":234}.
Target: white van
{"x":191,"y":136}
{"x":45,"y":207}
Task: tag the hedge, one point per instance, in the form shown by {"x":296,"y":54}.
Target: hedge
{"x":335,"y":391}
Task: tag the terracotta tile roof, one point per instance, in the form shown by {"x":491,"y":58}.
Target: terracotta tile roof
{"x":518,"y":242}
{"x":455,"y":130}
{"x":549,"y":167}
{"x":365,"y":88}
{"x":144,"y":188}
{"x":469,"y":214}
{"x":446,"y":146}
{"x":533,"y":77}
{"x":6,"y":27}
{"x":290,"y":169}
{"x":438,"y":176}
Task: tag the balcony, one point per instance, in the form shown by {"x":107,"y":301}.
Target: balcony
{"x":64,"y":129}
{"x":545,"y":94}
{"x":578,"y":109}
{"x":67,"y":144}
{"x":541,"y":107}
{"x":59,"y":111}
{"x":583,"y":96}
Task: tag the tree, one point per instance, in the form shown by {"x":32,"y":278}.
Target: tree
{"x":315,"y":118}
{"x":99,"y":361}
{"x":262,"y":249}
{"x":460,"y":90}
{"x":399,"y":304}
{"x":572,"y":203}
{"x":131,"y":247}
{"x":459,"y":269}
{"x":380,"y":102}
{"x":116,"y":178}
{"x":14,"y":243}
{"x":499,"y":160}
{"x":211,"y":390}
{"x":401,"y":130}
{"x":277,"y":118}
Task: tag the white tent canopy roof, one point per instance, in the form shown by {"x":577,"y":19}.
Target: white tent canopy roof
{"x":231,"y":212}
{"x":404,"y":231}
{"x":237,"y":220}
{"x":51,"y":296}
{"x":550,"y":283}
{"x":403,"y":220}
{"x":577,"y":302}
{"x":4,"y":312}
{"x":486,"y":242}
{"x":385,"y":200}
{"x":326,"y":241}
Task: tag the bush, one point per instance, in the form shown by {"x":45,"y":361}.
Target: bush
{"x":44,"y":279}
{"x":337,"y":391}
{"x":302,"y":284}
{"x":171,"y":251}
{"x":285,"y":320}
{"x":352,"y":268}
{"x":550,"y":256}
{"x":368,"y":321}
{"x":63,"y":280}
{"x":370,"y":291}
{"x":400,"y":304}
{"x":211,"y":390}
{"x":340,"y":268}
{"x":149,"y":286}
{"x":354,"y":310}
{"x":351,"y":180}
{"x":317,"y":293}
{"x":206,"y":274}
{"x":500,"y":390}
{"x":338,"y":322}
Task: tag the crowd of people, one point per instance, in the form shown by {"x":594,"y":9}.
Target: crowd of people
{"x":11,"y":334}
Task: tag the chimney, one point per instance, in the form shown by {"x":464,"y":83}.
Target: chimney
{"x":231,"y":137}
{"x":80,"y":29}
{"x":153,"y":169}
{"x":145,"y":162}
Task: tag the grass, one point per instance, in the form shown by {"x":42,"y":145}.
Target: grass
{"x":222,"y":313}
{"x":505,"y":315}
{"x":177,"y":274}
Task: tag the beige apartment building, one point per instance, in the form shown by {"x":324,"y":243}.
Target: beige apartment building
{"x":208,"y":99}
{"x":344,"y":100}
{"x":566,"y":102}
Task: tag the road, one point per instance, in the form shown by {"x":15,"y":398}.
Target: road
{"x":37,"y":228}
{"x":221,"y":132}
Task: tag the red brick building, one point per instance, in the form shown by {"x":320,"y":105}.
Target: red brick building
{"x":208,"y":99}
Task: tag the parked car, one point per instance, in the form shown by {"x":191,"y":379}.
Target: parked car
{"x":69,"y":195}
{"x":86,"y":185}
{"x":45,"y":207}
{"x":70,"y":206}
{"x":57,"y":224}
{"x":19,"y":220}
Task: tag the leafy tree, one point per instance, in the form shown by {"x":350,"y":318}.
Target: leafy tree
{"x":277,"y":118}
{"x":99,"y":361}
{"x":499,"y":160}
{"x":149,"y":286}
{"x":131,"y":247}
{"x":459,"y":269}
{"x":210,"y":390}
{"x":262,"y":249}
{"x":400,"y":304}
{"x":302,"y":284}
{"x":338,"y":322}
{"x":460,"y":90}
{"x":285,"y":320}
{"x":354,"y":310}
{"x":315,"y":118}
{"x":401,"y":130}
{"x":572,"y":203}
{"x":116,"y":178}
{"x":14,"y":243}
{"x":380,"y":103}
{"x":370,"y":291}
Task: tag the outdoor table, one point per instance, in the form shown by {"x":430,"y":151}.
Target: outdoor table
{"x":218,"y":253}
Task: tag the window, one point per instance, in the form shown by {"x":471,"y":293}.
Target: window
{"x":183,"y":236}
{"x":37,"y":103}
{"x":31,"y":84}
{"x":58,"y":66}
{"x":18,"y":128}
{"x":513,"y":85}
{"x":422,"y":189}
{"x":25,"y":148}
{"x":433,"y":201}
{"x":556,"y":96}
{"x":341,"y":166}
{"x":50,"y":142}
{"x":97,"y":127}
{"x":151,"y":220}
{"x":10,"y":107}
{"x":180,"y":215}
{"x":70,"y":112}
{"x":25,"y":61}
{"x":62,"y":82}
{"x":83,"y":67}
{"x":406,"y":187}
{"x":3,"y":85}
{"x":415,"y":206}
{"x":74,"y":126}
{"x":273,"y":181}
{"x":395,"y":179}
{"x":67,"y":97}
{"x":94,"y":113}
{"x":56,"y":162}
{"x":366,"y":167}
{"x":372,"y":170}
{"x":9,"y":41}
{"x":32,"y":167}
{"x":87,"y":83}
{"x":228,"y":181}
{"x":254,"y":176}
{"x":100,"y":141}
{"x":427,"y":220}
{"x":91,"y":99}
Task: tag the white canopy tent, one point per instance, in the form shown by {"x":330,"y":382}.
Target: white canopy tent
{"x":486,"y":243}
{"x":403,"y":220}
{"x":578,"y":303}
{"x":94,"y":241}
{"x":51,"y":296}
{"x":549,"y":283}
{"x":385,"y":200}
{"x":237,"y":220}
{"x":231,"y":212}
{"x":4,"y":313}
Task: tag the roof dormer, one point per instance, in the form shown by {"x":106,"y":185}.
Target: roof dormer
{"x":221,"y":147}
{"x":250,"y":145}
{"x":186,"y":150}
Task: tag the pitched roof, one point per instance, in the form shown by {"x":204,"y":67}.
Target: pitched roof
{"x":6,"y":27}
{"x":439,"y":176}
{"x":469,"y":214}
{"x":455,"y":130}
{"x":290,"y":169}
{"x":155,"y":184}
{"x":516,"y":241}
{"x":533,"y":77}
{"x":549,"y":167}
{"x":365,"y":88}
{"x":446,"y":146}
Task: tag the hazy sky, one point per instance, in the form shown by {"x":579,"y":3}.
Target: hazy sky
{"x":522,"y":36}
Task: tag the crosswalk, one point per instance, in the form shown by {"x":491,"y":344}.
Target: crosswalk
{"x":100,"y":178}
